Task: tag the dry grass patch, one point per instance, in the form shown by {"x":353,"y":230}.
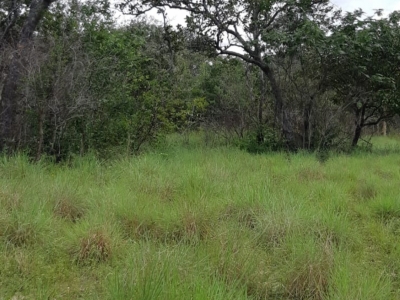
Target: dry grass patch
{"x":68,"y":205}
{"x":167,"y":193}
{"x":384,"y":174}
{"x":272,"y":235}
{"x":20,"y":234}
{"x":188,"y":228}
{"x":248,"y":217}
{"x":136,"y":228}
{"x":192,"y":228}
{"x":94,"y":247}
{"x":239,"y":264}
{"x":309,"y":278}
{"x":69,"y":208}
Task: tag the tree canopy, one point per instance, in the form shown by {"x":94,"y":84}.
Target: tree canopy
{"x":263,"y":74}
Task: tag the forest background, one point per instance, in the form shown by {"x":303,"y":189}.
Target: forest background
{"x":263,"y":75}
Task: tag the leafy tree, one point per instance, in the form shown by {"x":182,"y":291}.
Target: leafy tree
{"x":363,"y":61}
{"x":254,"y":27}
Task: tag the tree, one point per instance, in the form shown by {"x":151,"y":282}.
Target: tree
{"x":246,"y":29}
{"x":363,"y":60}
{"x":9,"y":15}
{"x":10,"y":94}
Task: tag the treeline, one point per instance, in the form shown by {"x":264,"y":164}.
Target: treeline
{"x":305,"y":76}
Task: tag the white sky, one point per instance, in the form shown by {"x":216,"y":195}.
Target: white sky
{"x":368,"y":6}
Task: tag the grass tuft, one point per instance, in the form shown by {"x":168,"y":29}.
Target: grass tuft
{"x":93,"y":247}
{"x":10,"y":201}
{"x":309,"y":275}
{"x":137,"y":228}
{"x":364,"y":191}
{"x":69,"y":207}
{"x":19,"y":233}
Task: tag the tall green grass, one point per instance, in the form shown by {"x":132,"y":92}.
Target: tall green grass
{"x":202,"y":223}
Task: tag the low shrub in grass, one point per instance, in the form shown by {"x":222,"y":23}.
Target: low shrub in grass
{"x":271,"y":141}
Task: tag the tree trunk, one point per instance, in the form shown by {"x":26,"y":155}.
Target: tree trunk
{"x":261,"y":101}
{"x":41,"y":135}
{"x":281,"y":115}
{"x":384,"y":128}
{"x":10,"y":95}
{"x":307,"y":124}
{"x":360,"y":114}
{"x":357,"y":135}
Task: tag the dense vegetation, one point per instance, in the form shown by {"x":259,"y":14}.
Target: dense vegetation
{"x":306,"y":76}
{"x":199,"y":222}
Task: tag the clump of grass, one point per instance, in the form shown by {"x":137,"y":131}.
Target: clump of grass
{"x":139,"y":280}
{"x":93,"y":246}
{"x":22,"y":229}
{"x":272,"y":234}
{"x":163,"y":191}
{"x":352,"y":279}
{"x":167,"y":193}
{"x":188,"y":228}
{"x":309,"y":273}
{"x":239,"y":264}
{"x":9,"y":201}
{"x":248,"y":217}
{"x":136,"y":228}
{"x":364,"y":190}
{"x":19,"y":233}
{"x":69,"y":207}
{"x":192,"y":228}
{"x":386,"y":210}
{"x":276,"y":225}
{"x":15,"y":167}
{"x":310,"y":174}
{"x":308,"y":281}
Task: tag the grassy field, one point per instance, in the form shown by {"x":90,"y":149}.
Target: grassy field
{"x":203,"y":223}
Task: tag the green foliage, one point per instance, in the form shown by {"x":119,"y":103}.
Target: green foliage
{"x":363,"y":55}
{"x":308,"y":74}
{"x":263,"y":141}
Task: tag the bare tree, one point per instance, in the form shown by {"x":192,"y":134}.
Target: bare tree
{"x":10,"y":126}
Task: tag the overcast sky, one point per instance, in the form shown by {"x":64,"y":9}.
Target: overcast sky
{"x":368,"y":5}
